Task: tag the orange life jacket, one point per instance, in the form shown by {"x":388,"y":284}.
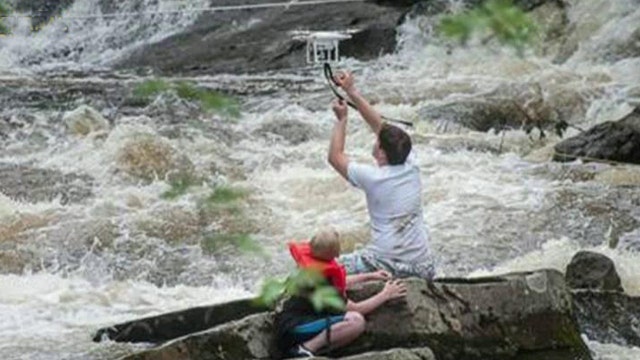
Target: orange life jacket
{"x":331,"y":270}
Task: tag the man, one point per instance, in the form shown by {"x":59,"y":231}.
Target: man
{"x":399,"y":238}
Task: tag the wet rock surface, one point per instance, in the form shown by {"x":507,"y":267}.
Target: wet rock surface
{"x":455,"y":318}
{"x":610,"y":141}
{"x":594,"y":271}
{"x":258,"y":39}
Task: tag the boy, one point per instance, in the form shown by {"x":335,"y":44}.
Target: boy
{"x":302,"y":331}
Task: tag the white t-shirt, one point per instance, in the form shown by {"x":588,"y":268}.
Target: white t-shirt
{"x":394,"y":200}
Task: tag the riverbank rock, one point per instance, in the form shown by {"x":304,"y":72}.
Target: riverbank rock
{"x":589,"y":270}
{"x":173,"y":325}
{"x":256,"y":40}
{"x":604,"y":313}
{"x":508,"y":106}
{"x":500,"y":317}
{"x":617,"y":141}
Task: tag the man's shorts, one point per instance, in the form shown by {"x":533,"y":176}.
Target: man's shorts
{"x":362,"y":261}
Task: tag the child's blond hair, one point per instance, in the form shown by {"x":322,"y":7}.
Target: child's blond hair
{"x":325,"y":245}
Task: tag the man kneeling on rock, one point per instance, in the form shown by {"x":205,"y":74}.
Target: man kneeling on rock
{"x":399,"y":237}
{"x":302,"y":331}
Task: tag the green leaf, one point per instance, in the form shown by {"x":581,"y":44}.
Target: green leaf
{"x":456,"y":28}
{"x":150,"y":88}
{"x":246,"y":244}
{"x":243,"y":242}
{"x":187,"y":90}
{"x":327,"y":297}
{"x":224,"y":194}
{"x":4,"y":12}
{"x":299,"y":283}
{"x":271,"y":291}
{"x":499,"y":19}
{"x":179,"y":187}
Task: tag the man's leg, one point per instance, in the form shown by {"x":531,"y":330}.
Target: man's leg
{"x":362,"y":261}
{"x":356,"y":262}
{"x":403,"y":270}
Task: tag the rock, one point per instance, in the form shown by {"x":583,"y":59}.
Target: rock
{"x":613,"y":42}
{"x":510,"y":106}
{"x":371,"y":42}
{"x":259,"y":40}
{"x":173,"y":325}
{"x":589,"y":270}
{"x":396,"y":3}
{"x":64,"y":93}
{"x":291,"y":131}
{"x":610,"y":141}
{"x":608,"y":317}
{"x":479,"y":115}
{"x":41,"y":11}
{"x":394,"y":354}
{"x":243,"y":339}
{"x":513,"y":313}
{"x":85,"y":120}
{"x":24,"y":183}
{"x":499,"y":317}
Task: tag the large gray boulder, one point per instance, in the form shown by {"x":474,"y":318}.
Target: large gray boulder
{"x":259,"y":39}
{"x":604,"y":313}
{"x":508,"y":106}
{"x":499,"y":317}
{"x":594,"y":271}
{"x":176,"y":324}
{"x":610,"y":141}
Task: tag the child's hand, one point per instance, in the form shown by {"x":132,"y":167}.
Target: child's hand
{"x":394,"y":289}
{"x":380,"y":275}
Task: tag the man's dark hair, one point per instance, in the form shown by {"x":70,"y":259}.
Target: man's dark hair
{"x":395,"y":143}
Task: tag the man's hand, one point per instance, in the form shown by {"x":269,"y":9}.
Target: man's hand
{"x":345,"y":80}
{"x":379,"y":275}
{"x":340,"y":109}
{"x":394,"y":289}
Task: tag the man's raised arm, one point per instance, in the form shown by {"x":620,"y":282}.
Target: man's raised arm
{"x":346,"y":81}
{"x":336,"y":155}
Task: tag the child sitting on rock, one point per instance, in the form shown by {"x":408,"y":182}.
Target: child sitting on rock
{"x":302,"y":331}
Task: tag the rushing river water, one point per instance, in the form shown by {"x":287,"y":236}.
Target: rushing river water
{"x":100,"y":246}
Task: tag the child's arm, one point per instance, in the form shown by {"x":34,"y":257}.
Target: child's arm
{"x":392,"y":290}
{"x":370,"y":276}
